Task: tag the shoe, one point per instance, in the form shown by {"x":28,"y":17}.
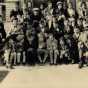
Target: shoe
{"x":80,"y":66}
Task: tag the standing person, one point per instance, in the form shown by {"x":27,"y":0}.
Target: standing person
{"x":9,"y":52}
{"x":65,"y":7}
{"x":42,"y":8}
{"x":71,"y":10}
{"x":49,"y":15}
{"x":36,"y":17}
{"x":30,"y":11}
{"x":52,"y":47}
{"x":59,"y":14}
{"x":27,"y":20}
{"x":83,"y":10}
{"x":29,"y":7}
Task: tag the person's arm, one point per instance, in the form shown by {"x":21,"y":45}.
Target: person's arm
{"x":80,"y":47}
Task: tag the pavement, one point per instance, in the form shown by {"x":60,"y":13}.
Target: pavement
{"x":64,"y":76}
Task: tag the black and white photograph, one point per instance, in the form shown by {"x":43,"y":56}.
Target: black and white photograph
{"x":43,"y":43}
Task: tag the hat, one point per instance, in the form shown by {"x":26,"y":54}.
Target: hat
{"x":35,"y":9}
{"x":59,"y":2}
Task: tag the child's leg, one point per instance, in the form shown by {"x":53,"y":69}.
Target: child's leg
{"x":39,"y":55}
{"x":45,"y":56}
{"x":6,"y":56}
{"x":24,"y":57}
{"x":55,"y":56}
{"x":15,"y":58}
{"x":11,"y":59}
{"x":18,"y":57}
{"x":51,"y":56}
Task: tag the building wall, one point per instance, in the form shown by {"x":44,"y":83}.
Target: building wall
{"x":10,"y":4}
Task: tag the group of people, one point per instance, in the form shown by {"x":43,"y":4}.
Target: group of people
{"x":51,"y":33}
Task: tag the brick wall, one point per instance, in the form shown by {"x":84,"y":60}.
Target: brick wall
{"x":10,"y":4}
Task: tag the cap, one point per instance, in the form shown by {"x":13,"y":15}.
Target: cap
{"x":35,"y":9}
{"x":59,"y":2}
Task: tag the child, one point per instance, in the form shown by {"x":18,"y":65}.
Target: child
{"x":9,"y":53}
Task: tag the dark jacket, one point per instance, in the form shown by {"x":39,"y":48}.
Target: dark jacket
{"x":2,"y":30}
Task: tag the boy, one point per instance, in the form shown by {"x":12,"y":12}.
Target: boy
{"x":52,"y":47}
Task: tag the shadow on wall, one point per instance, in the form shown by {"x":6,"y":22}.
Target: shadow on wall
{"x":3,"y":75}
